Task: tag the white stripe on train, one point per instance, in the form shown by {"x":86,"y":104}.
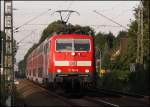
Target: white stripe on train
{"x":78,"y":63}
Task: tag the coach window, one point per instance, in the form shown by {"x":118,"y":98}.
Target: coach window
{"x":40,"y":72}
{"x":34,"y":72}
{"x":48,"y":47}
{"x":45,"y":47}
{"x":30,"y":73}
{"x":41,"y":48}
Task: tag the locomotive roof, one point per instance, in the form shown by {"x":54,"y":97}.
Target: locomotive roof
{"x":70,"y":36}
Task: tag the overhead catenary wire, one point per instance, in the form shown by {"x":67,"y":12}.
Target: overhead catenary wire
{"x":70,"y":4}
{"x":112,"y":8}
{"x":25,"y":37}
{"x":16,"y":29}
{"x":36,"y":24}
{"x":27,"y":42}
{"x":103,"y":25}
{"x":110,"y":19}
{"x":85,"y":25}
{"x":32,"y":19}
{"x":123,"y":12}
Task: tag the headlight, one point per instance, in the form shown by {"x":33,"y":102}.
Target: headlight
{"x":58,"y":71}
{"x":73,"y":54}
{"x":87,"y":71}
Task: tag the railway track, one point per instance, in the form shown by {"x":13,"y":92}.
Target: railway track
{"x":119,"y":93}
{"x":118,"y":98}
{"x":88,"y":99}
{"x":76,"y":100}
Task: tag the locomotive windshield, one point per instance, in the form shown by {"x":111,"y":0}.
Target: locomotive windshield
{"x":73,"y":45}
{"x":64,"y":45}
{"x":81,"y":45}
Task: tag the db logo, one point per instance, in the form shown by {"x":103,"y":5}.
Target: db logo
{"x":72,"y":63}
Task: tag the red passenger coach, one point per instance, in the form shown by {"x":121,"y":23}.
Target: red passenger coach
{"x":61,"y":58}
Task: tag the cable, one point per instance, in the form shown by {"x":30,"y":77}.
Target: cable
{"x":68,"y":9}
{"x":103,"y":25}
{"x":32,"y":19}
{"x":35,"y":24}
{"x":24,"y":37}
{"x":123,"y":12}
{"x":112,"y":8}
{"x":110,"y":19}
{"x":70,"y":4}
{"x":27,"y":42}
{"x":24,"y":30}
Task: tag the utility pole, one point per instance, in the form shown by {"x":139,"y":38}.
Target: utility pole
{"x":140,"y":35}
{"x":8,"y":52}
{"x":142,"y":50}
{"x":100,"y":61}
{"x":1,"y":61}
{"x":0,"y":44}
{"x":138,"y":38}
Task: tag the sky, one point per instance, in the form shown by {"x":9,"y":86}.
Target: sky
{"x":119,"y":11}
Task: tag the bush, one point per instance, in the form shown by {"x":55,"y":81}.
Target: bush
{"x":139,"y":82}
{"x":115,"y":80}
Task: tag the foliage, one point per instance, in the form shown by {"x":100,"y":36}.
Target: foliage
{"x":115,"y":80}
{"x":133,"y":81}
{"x":121,"y":34}
{"x":2,"y":34}
{"x":110,"y":39}
{"x":3,"y":91}
{"x":58,"y":27}
{"x":21,"y":68}
{"x":104,"y":42}
{"x":99,"y":40}
{"x":139,"y":82}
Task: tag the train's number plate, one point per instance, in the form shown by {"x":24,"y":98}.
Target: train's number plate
{"x":72,"y":63}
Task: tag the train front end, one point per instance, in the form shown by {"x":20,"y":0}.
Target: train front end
{"x":74,"y":58}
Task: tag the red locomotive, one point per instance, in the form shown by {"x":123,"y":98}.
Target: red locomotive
{"x":62,"y":57}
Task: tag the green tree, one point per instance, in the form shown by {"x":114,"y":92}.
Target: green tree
{"x":121,"y":34}
{"x":54,"y":27}
{"x":58,"y":27}
{"x":104,"y":41}
{"x":21,"y":67}
{"x":110,"y":39}
{"x":100,"y":41}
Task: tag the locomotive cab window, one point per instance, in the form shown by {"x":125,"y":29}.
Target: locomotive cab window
{"x":72,"y":45}
{"x":64,"y":45}
{"x":81,"y":45}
